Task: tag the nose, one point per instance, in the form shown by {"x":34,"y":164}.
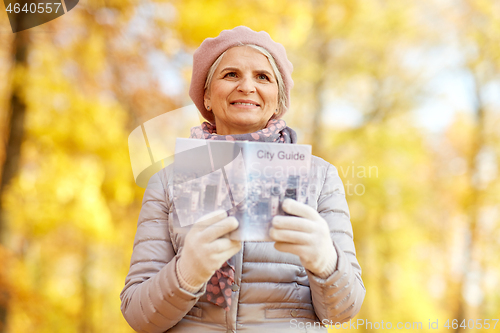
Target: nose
{"x":246,"y":85}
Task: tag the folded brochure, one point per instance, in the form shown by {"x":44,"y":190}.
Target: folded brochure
{"x":247,"y":179}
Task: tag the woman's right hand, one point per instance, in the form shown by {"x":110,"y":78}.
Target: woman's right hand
{"x":206,"y":249}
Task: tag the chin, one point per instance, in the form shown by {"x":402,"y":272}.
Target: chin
{"x":250,"y":123}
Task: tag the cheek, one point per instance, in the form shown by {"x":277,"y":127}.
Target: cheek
{"x":272,"y":96}
{"x":222,"y":90}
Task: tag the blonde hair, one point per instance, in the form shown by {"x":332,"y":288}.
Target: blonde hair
{"x":281,"y":85}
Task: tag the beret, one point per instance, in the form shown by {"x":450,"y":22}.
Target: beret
{"x":211,"y":48}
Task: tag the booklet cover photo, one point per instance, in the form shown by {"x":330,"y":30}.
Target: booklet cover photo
{"x":249,"y":180}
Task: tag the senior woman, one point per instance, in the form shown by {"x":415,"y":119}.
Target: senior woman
{"x":199,"y":280}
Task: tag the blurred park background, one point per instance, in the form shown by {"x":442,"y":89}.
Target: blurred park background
{"x":403,"y":96}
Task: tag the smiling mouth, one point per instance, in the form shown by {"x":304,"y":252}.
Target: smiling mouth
{"x":247,"y":104}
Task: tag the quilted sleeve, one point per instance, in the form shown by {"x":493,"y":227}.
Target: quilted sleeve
{"x":337,"y":298}
{"x":152,"y":300}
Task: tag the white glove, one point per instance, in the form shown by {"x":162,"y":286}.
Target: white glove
{"x":307,"y":235}
{"x":206,"y":249}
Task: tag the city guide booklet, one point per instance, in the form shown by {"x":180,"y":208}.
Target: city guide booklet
{"x":247,"y":179}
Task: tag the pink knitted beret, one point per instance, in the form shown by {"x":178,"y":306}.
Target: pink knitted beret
{"x":212,"y":48}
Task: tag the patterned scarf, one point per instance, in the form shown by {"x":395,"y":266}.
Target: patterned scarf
{"x":219,"y":286}
{"x":275,"y":131}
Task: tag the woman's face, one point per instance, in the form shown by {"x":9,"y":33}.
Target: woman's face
{"x":243,"y":94}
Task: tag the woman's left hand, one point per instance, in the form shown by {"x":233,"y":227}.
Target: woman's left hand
{"x":306,"y":234}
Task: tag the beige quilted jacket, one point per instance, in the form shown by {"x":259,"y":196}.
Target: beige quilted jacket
{"x":272,"y":291}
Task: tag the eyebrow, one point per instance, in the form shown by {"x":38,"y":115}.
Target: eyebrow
{"x":237,"y":70}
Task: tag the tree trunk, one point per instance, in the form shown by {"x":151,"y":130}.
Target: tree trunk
{"x":472,"y":207}
{"x":320,"y":52}
{"x":12,"y":154}
{"x":86,"y":324}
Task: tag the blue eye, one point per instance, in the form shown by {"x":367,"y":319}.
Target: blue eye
{"x":230,"y":73}
{"x":263,"y":77}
